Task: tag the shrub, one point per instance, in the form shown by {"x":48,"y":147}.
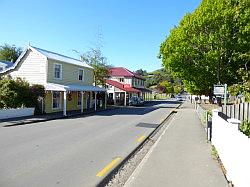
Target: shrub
{"x":245,"y":128}
{"x":18,"y":93}
{"x":12,"y":93}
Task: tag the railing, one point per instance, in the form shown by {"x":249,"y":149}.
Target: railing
{"x":239,"y":111}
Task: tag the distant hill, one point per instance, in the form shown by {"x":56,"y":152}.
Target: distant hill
{"x":155,"y":78}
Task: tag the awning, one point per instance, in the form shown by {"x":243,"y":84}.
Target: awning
{"x":72,"y":87}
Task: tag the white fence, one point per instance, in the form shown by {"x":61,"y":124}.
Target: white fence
{"x":203,"y":114}
{"x":239,"y":111}
{"x":19,"y":112}
{"x":233,"y":148}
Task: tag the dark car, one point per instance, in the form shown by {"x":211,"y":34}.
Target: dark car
{"x":136,"y":101}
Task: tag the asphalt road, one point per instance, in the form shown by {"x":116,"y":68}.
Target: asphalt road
{"x":77,"y":151}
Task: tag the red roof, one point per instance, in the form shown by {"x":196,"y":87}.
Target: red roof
{"x":121,"y":86}
{"x":120,"y":71}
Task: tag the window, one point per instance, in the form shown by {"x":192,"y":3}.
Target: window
{"x":81,"y":75}
{"x":121,"y":79}
{"x":56,"y":100}
{"x":79,"y":98}
{"x":58,"y":71}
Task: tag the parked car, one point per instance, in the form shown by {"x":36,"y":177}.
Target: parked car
{"x":136,"y":101}
{"x":179,"y":98}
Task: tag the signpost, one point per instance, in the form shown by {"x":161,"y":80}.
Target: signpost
{"x":220,"y":90}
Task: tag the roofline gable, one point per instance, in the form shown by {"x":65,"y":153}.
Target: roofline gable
{"x":40,"y":51}
{"x":36,"y":50}
{"x":131,"y":74}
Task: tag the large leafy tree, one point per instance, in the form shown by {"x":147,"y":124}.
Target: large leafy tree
{"x":141,"y":72}
{"x":156,"y":77}
{"x":95,"y":58}
{"x":209,"y":45}
{"x":9,"y":53}
{"x":165,"y":87}
{"x":243,"y":86}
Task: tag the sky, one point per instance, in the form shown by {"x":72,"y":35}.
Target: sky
{"x":131,"y":30}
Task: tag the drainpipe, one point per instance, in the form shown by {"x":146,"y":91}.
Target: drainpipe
{"x":105,"y":100}
{"x":65,"y":103}
{"x":95,"y":100}
{"x":125,"y":99}
{"x":82,"y":101}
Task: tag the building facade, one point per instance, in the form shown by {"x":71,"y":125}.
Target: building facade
{"x":68,"y":82}
{"x":122,"y":84}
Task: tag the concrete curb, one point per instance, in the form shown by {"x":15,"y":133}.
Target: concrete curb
{"x":112,"y":173}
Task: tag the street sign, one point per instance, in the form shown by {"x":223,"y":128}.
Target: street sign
{"x":219,"y":89}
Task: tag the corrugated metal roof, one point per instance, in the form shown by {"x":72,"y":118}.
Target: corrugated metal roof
{"x":120,"y":71}
{"x":6,"y":62}
{"x":59,"y":57}
{"x":72,"y":87}
{"x":5,"y":65}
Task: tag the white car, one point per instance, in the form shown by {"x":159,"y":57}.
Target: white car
{"x":180,"y":98}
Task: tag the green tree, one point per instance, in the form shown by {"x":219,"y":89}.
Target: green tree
{"x":160,"y":75}
{"x":177,"y":88}
{"x":9,"y":53}
{"x":95,"y":58}
{"x":166,"y":87}
{"x":209,"y":45}
{"x":244,"y":85}
{"x":141,"y":72}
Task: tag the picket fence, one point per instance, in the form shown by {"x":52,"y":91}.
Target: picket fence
{"x":239,"y":111}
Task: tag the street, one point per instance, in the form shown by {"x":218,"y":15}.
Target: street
{"x":75,"y":151}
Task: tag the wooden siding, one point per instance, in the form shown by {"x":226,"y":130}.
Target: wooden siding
{"x":127,"y":80}
{"x":71,"y":105}
{"x":32,"y":68}
{"x":137,"y":83}
{"x":48,"y":103}
{"x":69,"y":74}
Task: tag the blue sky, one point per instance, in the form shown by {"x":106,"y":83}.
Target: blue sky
{"x":132,"y":29}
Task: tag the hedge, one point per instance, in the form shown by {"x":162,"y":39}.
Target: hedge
{"x":19,"y":93}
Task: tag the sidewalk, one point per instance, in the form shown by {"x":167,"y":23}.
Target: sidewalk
{"x":46,"y":117}
{"x":181,"y":157}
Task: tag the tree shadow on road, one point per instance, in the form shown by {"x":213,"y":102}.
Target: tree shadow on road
{"x":147,"y":125}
